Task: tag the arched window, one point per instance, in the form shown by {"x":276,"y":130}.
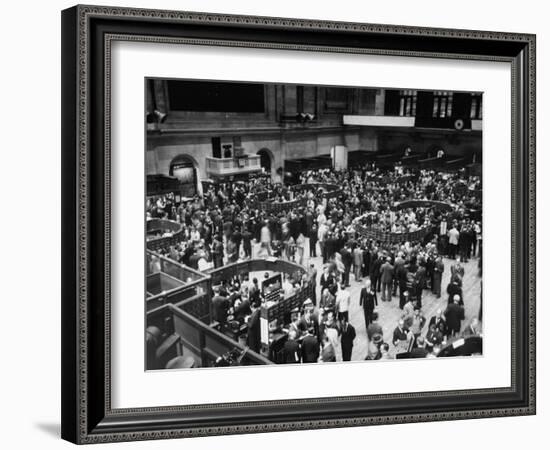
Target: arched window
{"x":184,"y":169}
{"x":266,"y":159}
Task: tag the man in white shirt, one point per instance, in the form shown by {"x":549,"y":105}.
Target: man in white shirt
{"x":288,"y":289}
{"x":453,"y":241}
{"x":342,"y":303}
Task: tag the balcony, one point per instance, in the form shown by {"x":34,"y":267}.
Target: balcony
{"x":226,"y":167}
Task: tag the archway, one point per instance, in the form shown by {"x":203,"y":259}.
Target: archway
{"x":184,"y":168}
{"x":266,"y":159}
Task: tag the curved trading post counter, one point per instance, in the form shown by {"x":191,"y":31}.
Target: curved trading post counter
{"x":436,"y":204}
{"x":264,"y":203}
{"x":387,"y":237}
{"x":392,"y":238}
{"x":276,"y":311}
{"x":161,"y":233}
{"x":328,"y":190}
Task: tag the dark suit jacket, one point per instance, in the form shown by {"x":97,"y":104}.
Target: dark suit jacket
{"x":452,"y":290}
{"x":291,"y":351}
{"x":220,"y":306}
{"x":399,"y":335}
{"x":347,"y":337}
{"x":242,"y":310}
{"x":420,"y":277}
{"x":310,"y":349}
{"x":254,"y":336}
{"x":386,"y":273}
{"x":368,"y":300}
{"x":454,"y":315}
{"x":375,"y":269}
{"x":303,"y":325}
{"x":366,"y":260}
{"x":326,"y":281}
{"x":347,"y":257}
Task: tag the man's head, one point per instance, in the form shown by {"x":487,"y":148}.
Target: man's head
{"x":420,"y":342}
{"x":401,"y":323}
{"x":456,"y":299}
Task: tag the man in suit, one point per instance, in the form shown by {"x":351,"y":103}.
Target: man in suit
{"x":420,"y":350}
{"x":457,"y":270}
{"x":368,"y":301}
{"x":366,"y":261}
{"x":312,"y":279}
{"x":420,"y":282}
{"x":220,"y":305}
{"x":347,"y":260}
{"x":398,"y":267}
{"x":400,"y":334}
{"x":327,"y":280}
{"x":254,"y":291}
{"x":357,"y":262}
{"x":439,"y":322}
{"x":327,"y":354}
{"x":438,"y":270}
{"x":386,"y":279}
{"x":346,"y":339}
{"x":454,"y":315}
{"x":375,"y":272}
{"x":375,"y":329}
{"x":310,"y":347}
{"x":454,"y":288}
{"x":254,"y":334}
{"x":291,"y":349}
{"x":308,"y":322}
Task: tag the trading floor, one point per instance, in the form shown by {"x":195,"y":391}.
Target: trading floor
{"x":390,"y":313}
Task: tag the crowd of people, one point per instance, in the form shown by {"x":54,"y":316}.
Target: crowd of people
{"x":226,"y":225}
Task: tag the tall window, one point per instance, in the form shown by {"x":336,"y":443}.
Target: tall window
{"x":443,"y":104}
{"x":476,"y":108}
{"x":407,"y":103}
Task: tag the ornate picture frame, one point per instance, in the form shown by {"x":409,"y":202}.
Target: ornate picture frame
{"x":87,"y":35}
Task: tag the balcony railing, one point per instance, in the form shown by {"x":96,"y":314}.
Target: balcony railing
{"x":233,"y":166}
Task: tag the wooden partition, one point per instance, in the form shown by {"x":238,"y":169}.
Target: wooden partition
{"x":206,"y":343}
{"x":193,"y":284}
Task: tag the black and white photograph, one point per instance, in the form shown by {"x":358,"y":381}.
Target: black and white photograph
{"x":294,"y":224}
